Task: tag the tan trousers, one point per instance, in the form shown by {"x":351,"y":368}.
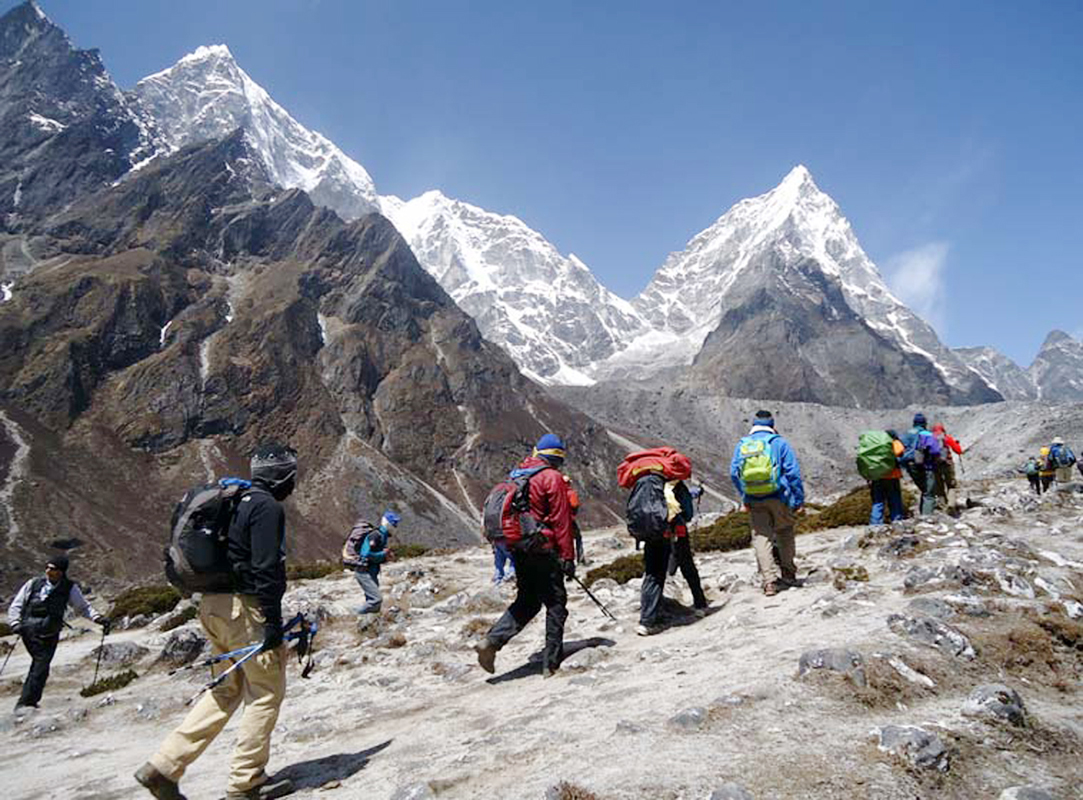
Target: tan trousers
{"x":231,"y":621}
{"x":772,"y":527}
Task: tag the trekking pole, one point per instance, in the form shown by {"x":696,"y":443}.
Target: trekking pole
{"x":210,"y":662}
{"x":101,"y":649}
{"x":597,"y":602}
{"x":8,"y":658}
{"x":255,"y":650}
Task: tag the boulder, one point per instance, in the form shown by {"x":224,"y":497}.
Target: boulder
{"x":932,"y":607}
{"x":900,"y":547}
{"x":932,"y":633}
{"x":1013,"y":585}
{"x":119,"y":654}
{"x":689,"y":718}
{"x":835,"y":659}
{"x":916,"y":746}
{"x":730,"y":791}
{"x":183,"y":647}
{"x":919,"y":578}
{"x":997,"y":702}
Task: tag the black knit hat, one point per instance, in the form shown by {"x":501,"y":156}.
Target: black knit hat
{"x":60,"y":562}
{"x":274,"y":464}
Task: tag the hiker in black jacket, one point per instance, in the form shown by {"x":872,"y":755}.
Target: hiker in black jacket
{"x":251,"y":613}
{"x":37,"y":615}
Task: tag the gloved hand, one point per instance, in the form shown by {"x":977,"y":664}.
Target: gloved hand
{"x":105,"y":622}
{"x":16,"y":627}
{"x":567,"y":566}
{"x":272,"y":637}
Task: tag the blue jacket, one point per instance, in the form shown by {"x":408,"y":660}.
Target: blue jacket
{"x":792,"y":490}
{"x":374,"y":549}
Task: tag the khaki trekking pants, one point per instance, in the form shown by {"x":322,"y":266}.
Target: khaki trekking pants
{"x":231,"y":621}
{"x":772,"y":527}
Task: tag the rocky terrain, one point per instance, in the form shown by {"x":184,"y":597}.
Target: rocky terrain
{"x":933,"y":659}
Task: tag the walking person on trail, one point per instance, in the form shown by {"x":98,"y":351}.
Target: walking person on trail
{"x":659,"y":508}
{"x":920,"y":457}
{"x":1048,"y":470}
{"x":946,"y":483}
{"x":503,"y":568}
{"x":878,"y":454}
{"x":539,"y":536}
{"x":577,"y":534}
{"x":365,"y":550}
{"x":1063,"y":459}
{"x":256,"y":551}
{"x":766,"y":473}
{"x":1031,"y":467}
{"x":37,"y":616}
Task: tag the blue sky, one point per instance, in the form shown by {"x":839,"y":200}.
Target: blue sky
{"x":949,"y":133}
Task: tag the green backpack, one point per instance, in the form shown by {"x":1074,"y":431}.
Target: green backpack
{"x":759,"y":474}
{"x":875,"y":455}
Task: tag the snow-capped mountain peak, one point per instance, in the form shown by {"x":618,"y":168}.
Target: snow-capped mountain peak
{"x":206,"y":95}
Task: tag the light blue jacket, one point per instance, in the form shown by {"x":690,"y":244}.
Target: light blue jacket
{"x":791,"y":489}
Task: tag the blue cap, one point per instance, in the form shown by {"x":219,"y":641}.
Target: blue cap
{"x":919,"y":420}
{"x":549,"y":446}
{"x":392,"y":518}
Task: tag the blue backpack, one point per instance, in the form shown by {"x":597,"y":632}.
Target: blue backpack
{"x":913,"y":452}
{"x":1061,"y":455}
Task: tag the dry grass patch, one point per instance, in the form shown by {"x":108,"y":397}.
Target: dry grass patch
{"x":621,"y":569}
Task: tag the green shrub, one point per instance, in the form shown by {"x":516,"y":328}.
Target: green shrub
{"x":110,"y":684}
{"x":319,"y":569}
{"x":410,"y":550}
{"x":187,"y":615}
{"x":150,"y":600}
{"x":621,"y":569}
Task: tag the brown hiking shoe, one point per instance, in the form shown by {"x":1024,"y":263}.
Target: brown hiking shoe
{"x":158,"y":784}
{"x":486,"y":656}
{"x":265,"y":791}
{"x":770,"y":588}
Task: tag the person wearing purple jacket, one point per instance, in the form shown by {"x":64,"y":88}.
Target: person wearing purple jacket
{"x":920,"y":457}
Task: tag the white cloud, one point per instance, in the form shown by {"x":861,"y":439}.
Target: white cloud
{"x":917,"y":278}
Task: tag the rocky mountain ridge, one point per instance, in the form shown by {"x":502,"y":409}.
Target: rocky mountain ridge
{"x":1055,"y":375}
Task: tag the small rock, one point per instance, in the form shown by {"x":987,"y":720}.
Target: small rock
{"x":918,"y":577}
{"x":930,"y":632}
{"x":900,"y":547}
{"x":1014,"y":585}
{"x":730,"y":582}
{"x":689,"y":718}
{"x":730,"y":791}
{"x":612,"y":543}
{"x":997,"y":701}
{"x":108,"y":700}
{"x":835,"y":659}
{"x":1073,"y":609}
{"x":917,"y":746}
{"x":1025,"y":793}
{"x":415,"y":791}
{"x":148,"y":710}
{"x":585,"y":659}
{"x":625,"y":726}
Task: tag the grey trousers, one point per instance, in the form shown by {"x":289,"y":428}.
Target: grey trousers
{"x":370,"y":585}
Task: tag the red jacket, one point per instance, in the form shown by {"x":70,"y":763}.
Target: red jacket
{"x":549,"y":505}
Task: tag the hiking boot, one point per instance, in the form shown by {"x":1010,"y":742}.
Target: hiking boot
{"x":157,"y":784}
{"x":486,"y":655}
{"x":265,"y":791}
{"x":791,"y":581}
{"x":700,"y":611}
{"x":549,"y":670}
{"x":771,"y":588}
{"x":646,"y":630}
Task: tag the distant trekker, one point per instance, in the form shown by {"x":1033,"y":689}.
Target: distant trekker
{"x":878,"y":454}
{"x":1032,"y":469}
{"x":658,"y":511}
{"x":1047,"y":469}
{"x":577,"y":534}
{"x":251,"y":612}
{"x":364,"y":552}
{"x":946,"y":483}
{"x":37,"y":615}
{"x":535,"y":522}
{"x":766,"y":473}
{"x":920,"y":457}
{"x":1063,"y":459}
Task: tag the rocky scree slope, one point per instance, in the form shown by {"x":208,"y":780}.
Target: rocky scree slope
{"x":193,"y":310}
{"x":934,"y":658}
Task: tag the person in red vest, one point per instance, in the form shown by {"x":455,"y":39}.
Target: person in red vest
{"x":573,"y":503}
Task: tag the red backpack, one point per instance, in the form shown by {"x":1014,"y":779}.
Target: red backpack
{"x":506,"y":517}
{"x":672,"y":466}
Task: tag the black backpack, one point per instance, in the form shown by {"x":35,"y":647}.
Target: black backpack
{"x":647,"y":513}
{"x":506,"y":517}
{"x":196,"y":556}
